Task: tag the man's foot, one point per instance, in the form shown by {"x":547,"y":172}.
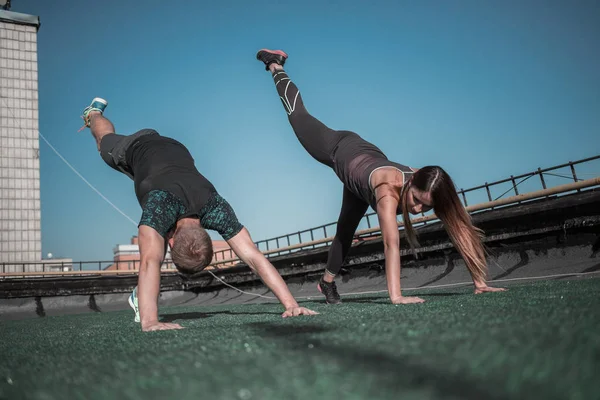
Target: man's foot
{"x":133,"y":302}
{"x":271,"y":56}
{"x":98,"y":104}
{"x":330,"y":291}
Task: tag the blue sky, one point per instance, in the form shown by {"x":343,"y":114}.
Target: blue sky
{"x":484,"y":89}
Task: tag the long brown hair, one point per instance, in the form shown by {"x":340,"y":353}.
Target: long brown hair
{"x":449,"y":209}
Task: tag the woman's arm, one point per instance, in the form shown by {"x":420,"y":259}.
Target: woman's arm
{"x":386,"y":213}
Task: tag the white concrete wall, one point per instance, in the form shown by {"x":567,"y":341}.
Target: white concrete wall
{"x":20,"y":232}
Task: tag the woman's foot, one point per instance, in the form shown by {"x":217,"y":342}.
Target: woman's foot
{"x":268,"y":57}
{"x":329,"y":289}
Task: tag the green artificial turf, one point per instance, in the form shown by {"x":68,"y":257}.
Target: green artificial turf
{"x":537,"y":340}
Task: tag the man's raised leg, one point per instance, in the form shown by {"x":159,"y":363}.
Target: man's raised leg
{"x":94,"y":119}
{"x":100,"y":126}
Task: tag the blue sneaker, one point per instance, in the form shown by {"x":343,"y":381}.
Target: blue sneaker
{"x":98,"y":104}
{"x":133,"y":302}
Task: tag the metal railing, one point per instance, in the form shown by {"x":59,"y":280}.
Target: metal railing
{"x":320,"y":236}
{"x":65,"y":268}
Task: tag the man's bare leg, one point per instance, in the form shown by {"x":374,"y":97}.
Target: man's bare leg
{"x":100,"y":126}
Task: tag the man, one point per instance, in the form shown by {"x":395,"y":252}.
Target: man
{"x":178,"y":203}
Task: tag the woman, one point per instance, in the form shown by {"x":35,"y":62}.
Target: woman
{"x":369,"y":178}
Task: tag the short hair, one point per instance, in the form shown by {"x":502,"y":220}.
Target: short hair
{"x":192,"y":249}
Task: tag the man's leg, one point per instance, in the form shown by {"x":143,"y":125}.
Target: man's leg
{"x":93,"y":119}
{"x":100,"y":126}
{"x":115,"y":146}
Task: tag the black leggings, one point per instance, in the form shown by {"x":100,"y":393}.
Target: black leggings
{"x":320,"y":142}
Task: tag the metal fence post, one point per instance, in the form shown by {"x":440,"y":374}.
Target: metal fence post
{"x":574,"y":174}
{"x":488,"y":191}
{"x":512,"y":179}
{"x":462,"y":191}
{"x":542,"y":178}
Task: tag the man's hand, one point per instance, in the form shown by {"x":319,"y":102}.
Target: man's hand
{"x":297,"y":311}
{"x":246,"y":250}
{"x":407,"y":300}
{"x":152,"y":251}
{"x":160,"y":326}
{"x":487,"y":289}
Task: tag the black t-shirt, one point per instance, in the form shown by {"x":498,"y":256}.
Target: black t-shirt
{"x":162,"y":163}
{"x":169,"y":187}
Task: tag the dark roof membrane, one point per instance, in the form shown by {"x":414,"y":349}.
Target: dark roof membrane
{"x":19,"y":18}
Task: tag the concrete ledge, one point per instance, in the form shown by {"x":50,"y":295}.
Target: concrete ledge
{"x":510,"y":263}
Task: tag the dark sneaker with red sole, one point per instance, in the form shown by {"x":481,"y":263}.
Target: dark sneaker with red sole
{"x":330,"y":291}
{"x":271,"y":56}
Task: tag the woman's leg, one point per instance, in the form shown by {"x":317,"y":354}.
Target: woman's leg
{"x":318,"y":140}
{"x":353,"y":209}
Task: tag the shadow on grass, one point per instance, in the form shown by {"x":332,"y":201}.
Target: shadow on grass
{"x":385,"y":372}
{"x":202,"y":315}
{"x":287,"y":330}
{"x":444,"y":294}
{"x":366,"y":300}
{"x":386,"y":300}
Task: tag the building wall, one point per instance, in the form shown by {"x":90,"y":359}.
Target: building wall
{"x":20,"y":231}
{"x":127,"y":257}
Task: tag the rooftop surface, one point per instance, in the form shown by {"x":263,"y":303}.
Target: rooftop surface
{"x":536,"y":340}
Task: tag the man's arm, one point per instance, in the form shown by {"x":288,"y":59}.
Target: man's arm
{"x":152,"y":252}
{"x":386,"y":213}
{"x":246,"y":250}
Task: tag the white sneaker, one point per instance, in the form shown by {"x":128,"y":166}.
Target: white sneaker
{"x":133,"y":302}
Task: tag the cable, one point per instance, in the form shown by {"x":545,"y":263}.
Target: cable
{"x":414,"y":288}
{"x":86,"y":181}
{"x":68,"y":164}
{"x":562,"y":176}
{"x":514,"y":186}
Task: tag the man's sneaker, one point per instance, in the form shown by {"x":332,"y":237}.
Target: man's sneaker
{"x":98,"y":104}
{"x":271,"y":56}
{"x":133,"y":302}
{"x":330,"y":291}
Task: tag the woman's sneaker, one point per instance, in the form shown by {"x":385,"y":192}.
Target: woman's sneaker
{"x":271,"y":56}
{"x":330,"y":291}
